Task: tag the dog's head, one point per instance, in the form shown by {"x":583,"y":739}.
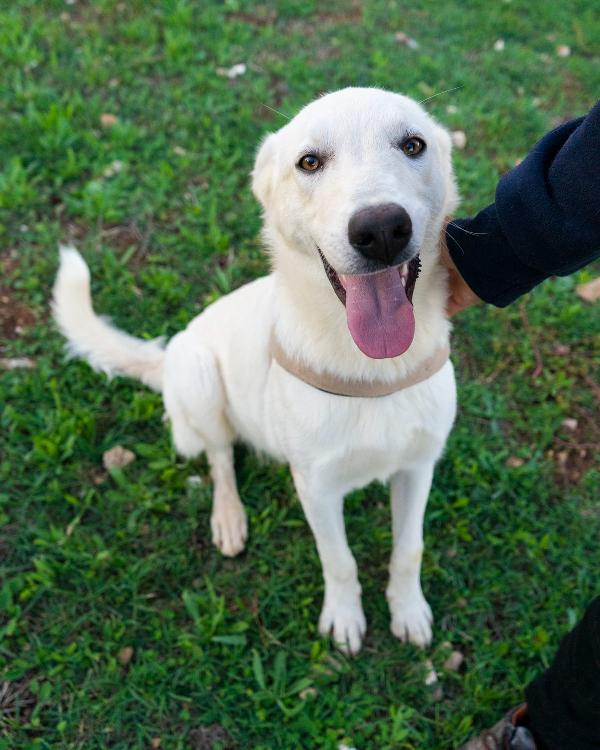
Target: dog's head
{"x":360,"y":181}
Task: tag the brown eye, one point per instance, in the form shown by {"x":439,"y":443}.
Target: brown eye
{"x":413,"y":146}
{"x":309,"y":163}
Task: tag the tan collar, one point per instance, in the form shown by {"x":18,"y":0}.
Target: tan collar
{"x":338,"y":386}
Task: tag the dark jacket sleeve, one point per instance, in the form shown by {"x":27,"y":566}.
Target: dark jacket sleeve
{"x":545,"y":221}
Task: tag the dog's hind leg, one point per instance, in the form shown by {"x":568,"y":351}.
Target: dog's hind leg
{"x":411,"y":614}
{"x":195,"y":401}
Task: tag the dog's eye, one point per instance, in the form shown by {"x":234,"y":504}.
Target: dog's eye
{"x":310,"y":163}
{"x":413,"y":146}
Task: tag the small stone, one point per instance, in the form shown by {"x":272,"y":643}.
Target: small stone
{"x":125,"y":655}
{"x":113,"y":169}
{"x":117,"y":457}
{"x":235,"y":71}
{"x":459,"y":138}
{"x":454,"y":662}
{"x":499,"y":45}
{"x":107,"y":120}
{"x":563,"y":50}
{"x":570,"y":424}
{"x":452,"y":109}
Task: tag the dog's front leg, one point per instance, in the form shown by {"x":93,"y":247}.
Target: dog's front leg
{"x":342,"y":613}
{"x":411,"y":614}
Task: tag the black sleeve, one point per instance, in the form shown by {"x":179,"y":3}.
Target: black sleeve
{"x":545,"y":221}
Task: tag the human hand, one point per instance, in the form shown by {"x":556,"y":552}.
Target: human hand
{"x":460,"y":295}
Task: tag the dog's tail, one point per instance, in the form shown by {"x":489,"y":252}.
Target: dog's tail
{"x":94,"y":338}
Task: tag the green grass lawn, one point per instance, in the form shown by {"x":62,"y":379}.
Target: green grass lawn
{"x":225,"y":652}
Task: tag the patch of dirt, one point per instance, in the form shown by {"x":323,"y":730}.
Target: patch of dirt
{"x":119,"y":237}
{"x":16,"y":700}
{"x":264,"y":15}
{"x":205,"y":738}
{"x":15,"y":316}
{"x":575,"y":449}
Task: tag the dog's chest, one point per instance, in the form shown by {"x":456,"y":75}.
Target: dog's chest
{"x":372,"y":438}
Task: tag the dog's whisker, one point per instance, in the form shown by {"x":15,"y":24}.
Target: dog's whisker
{"x":277,"y":112}
{"x":466,"y":231}
{"x":439,"y":93}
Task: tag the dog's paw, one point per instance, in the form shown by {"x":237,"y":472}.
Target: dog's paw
{"x":412,"y":620}
{"x":229,"y":529}
{"x":346,"y":623}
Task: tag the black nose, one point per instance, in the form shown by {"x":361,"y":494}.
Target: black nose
{"x":380,"y":232}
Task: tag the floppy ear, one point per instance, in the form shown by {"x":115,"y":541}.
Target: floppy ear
{"x":444,"y":142}
{"x":262,"y":174}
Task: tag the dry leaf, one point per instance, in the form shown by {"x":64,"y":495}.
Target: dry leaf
{"x":590,"y":291}
{"x":155,"y":743}
{"x":514,"y":462}
{"x":570,"y":424}
{"x":431,"y":677}
{"x":107,"y":120}
{"x":408,"y":41}
{"x":454,"y":662}
{"x":125,"y":655}
{"x":562,"y":349}
{"x":16,"y":363}
{"x":117,"y":457}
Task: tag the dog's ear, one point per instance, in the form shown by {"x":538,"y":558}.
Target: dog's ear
{"x":444,"y":142}
{"x":262,"y":174}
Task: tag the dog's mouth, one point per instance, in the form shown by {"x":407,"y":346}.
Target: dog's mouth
{"x":379,"y":307}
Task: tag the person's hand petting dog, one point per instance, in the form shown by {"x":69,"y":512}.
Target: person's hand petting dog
{"x":460,"y":294}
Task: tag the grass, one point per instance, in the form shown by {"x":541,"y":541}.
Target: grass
{"x":225,"y":652}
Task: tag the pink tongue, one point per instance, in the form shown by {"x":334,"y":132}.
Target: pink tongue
{"x":380,"y":317}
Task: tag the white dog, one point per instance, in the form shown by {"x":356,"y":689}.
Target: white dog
{"x":354,"y":190}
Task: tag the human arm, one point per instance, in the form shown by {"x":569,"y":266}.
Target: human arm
{"x":545,"y":221}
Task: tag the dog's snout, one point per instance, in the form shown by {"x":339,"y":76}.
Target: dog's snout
{"x":380,"y":232}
